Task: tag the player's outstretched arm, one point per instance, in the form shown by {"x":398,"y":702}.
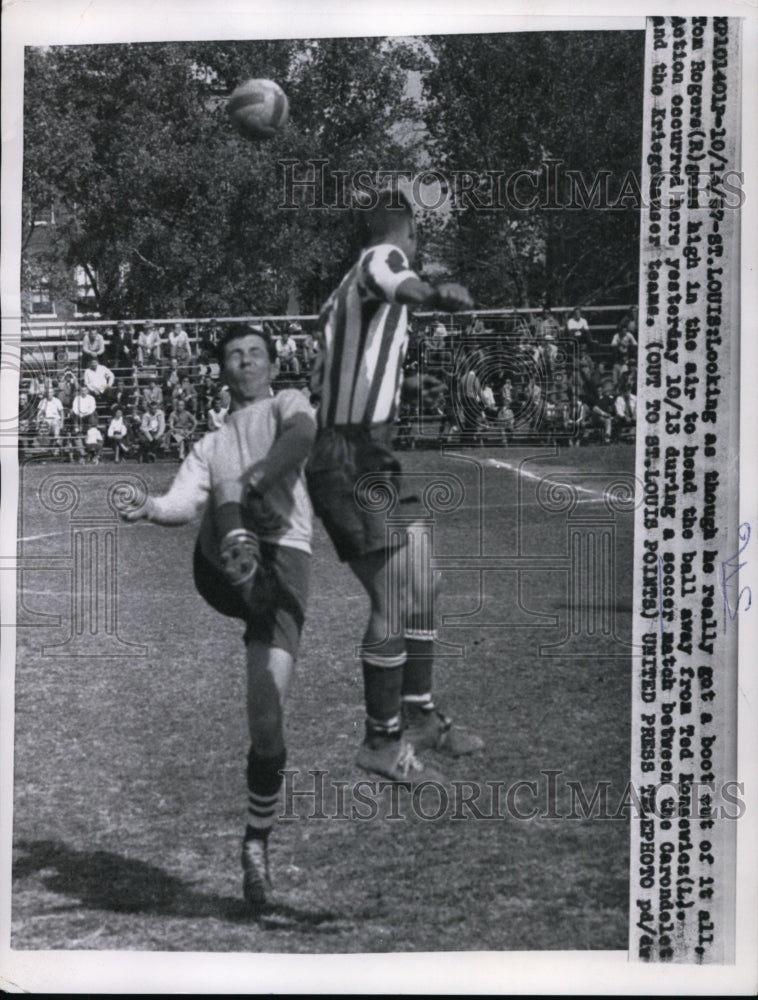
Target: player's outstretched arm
{"x":447,"y":297}
{"x":185,"y":498}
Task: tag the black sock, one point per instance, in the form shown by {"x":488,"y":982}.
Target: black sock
{"x":382,"y":683}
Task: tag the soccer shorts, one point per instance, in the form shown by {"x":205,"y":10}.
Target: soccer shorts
{"x":275,"y":610}
{"x":340,"y":457}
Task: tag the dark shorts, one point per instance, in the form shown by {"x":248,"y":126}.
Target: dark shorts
{"x":355,"y":518}
{"x":275,"y":611}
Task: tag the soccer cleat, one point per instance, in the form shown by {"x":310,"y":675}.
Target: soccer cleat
{"x":256,"y":880}
{"x":239,"y":554}
{"x":428,"y":729}
{"x":394,"y":758}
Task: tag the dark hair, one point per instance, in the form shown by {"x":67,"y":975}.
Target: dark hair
{"x":236,"y":333}
{"x":377,"y":216}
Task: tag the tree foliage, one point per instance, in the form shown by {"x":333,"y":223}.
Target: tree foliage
{"x":516,"y":102}
{"x":171,"y":212}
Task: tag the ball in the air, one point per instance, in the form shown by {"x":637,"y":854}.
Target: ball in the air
{"x":258,"y":108}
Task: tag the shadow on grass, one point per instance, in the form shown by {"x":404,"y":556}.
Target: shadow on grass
{"x":102,"y":880}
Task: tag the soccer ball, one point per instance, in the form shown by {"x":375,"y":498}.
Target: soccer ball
{"x":258,"y":108}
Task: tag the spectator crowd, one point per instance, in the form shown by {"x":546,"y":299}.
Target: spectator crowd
{"x":142,"y":395}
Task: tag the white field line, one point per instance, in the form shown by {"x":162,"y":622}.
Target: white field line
{"x":594,"y":495}
{"x":35,"y":538}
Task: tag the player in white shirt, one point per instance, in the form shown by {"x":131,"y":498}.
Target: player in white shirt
{"x":252,"y":556}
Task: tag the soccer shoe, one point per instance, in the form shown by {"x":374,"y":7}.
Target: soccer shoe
{"x":431,"y":730}
{"x":256,"y":881}
{"x":239,"y":553}
{"x":394,"y":758}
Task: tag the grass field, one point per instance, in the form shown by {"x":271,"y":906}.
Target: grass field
{"x":129,"y":771}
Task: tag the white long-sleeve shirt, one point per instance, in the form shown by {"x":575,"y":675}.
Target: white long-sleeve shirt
{"x":220,"y":465}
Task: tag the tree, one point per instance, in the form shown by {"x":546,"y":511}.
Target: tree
{"x":544,"y":104}
{"x":164,"y":206}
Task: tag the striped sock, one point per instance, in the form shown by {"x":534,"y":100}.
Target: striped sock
{"x":263,"y":783}
{"x":382,"y":681}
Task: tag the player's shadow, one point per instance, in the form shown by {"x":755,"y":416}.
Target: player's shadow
{"x":102,"y":880}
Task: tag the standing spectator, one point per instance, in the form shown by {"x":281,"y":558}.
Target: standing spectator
{"x":83,"y":407}
{"x":50,"y":415}
{"x":152,"y":393}
{"x":149,"y":345}
{"x":286,"y":352}
{"x":216,"y":415}
{"x":179,"y":348}
{"x":118,"y":435}
{"x":93,"y":346}
{"x":121,"y":350}
{"x":181,"y":427}
{"x":152,"y":431}
{"x":100,"y":382}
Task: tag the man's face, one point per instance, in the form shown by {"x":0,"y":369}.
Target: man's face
{"x":247,"y":368}
{"x":93,"y":364}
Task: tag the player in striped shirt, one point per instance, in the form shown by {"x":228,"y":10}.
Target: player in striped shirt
{"x":357,"y":382}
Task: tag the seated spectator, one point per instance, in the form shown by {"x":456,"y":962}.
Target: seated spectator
{"x":505,"y":421}
{"x":152,"y":432}
{"x":475,"y":328}
{"x":149,"y":345}
{"x":286,"y":353}
{"x":121,"y":350}
{"x":586,"y":371}
{"x":181,"y":427}
{"x":575,"y":417}
{"x":578,"y":329}
{"x":152,"y":393}
{"x":100,"y":382}
{"x":67,"y":386}
{"x":210,"y":335}
{"x":603,"y":414}
{"x":118,"y":435}
{"x":126,"y":393}
{"x":217,"y":415}
{"x":311,"y":348}
{"x":439,"y":330}
{"x":179,"y":347}
{"x":93,"y":346}
{"x":186,"y":392}
{"x":50,"y":414}
{"x":623,"y":346}
{"x":225,"y":397}
{"x":93,"y":443}
{"x":626,"y":411}
{"x":173,"y":377}
{"x":488,"y":402}
{"x":83,"y":408}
